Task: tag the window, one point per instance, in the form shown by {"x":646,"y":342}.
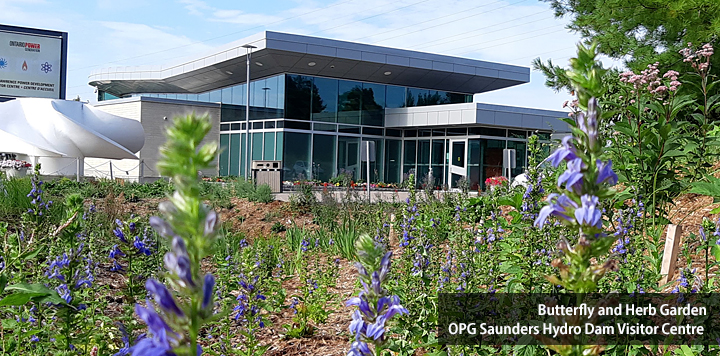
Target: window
{"x":269,"y":124}
{"x":224,"y":155}
{"x":395,"y":96}
{"x":372,"y":131}
{"x":235,"y":127}
{"x":257,"y":146}
{"x":424,"y":133}
{"x":349,"y":102}
{"x":325,"y":105}
{"x":486,"y":131}
{"x":517,"y":133}
{"x":393,"y":150}
{"x":438,"y":132}
{"x":323,"y":157}
{"x":373,"y":104}
{"x":269,"y":146}
{"x":409,"y":157}
{"x":224,"y":127}
{"x":393,"y":133}
{"x":349,"y":129}
{"x":325,"y":127}
{"x":235,"y":154}
{"x":348,"y":152}
{"x":226,"y":96}
{"x":410,"y":133}
{"x":298,"y":125}
{"x":457,"y":131}
{"x":296,"y":156}
{"x":298,"y":93}
{"x":257,"y":125}
{"x":215,"y":96}
{"x":238,"y":95}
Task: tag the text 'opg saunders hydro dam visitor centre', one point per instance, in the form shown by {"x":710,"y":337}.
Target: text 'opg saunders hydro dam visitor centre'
{"x":313,"y":102}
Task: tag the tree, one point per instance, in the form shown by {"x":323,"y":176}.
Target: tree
{"x":643,"y":31}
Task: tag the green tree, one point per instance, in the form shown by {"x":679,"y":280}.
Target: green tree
{"x":643,"y":31}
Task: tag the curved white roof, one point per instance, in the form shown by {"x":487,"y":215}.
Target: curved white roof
{"x":65,"y":128}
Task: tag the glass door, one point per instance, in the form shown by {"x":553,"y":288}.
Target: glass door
{"x":458,"y":169}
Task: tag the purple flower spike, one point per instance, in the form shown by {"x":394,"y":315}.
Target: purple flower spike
{"x":588,"y":214}
{"x":211,"y":222}
{"x":163,"y":297}
{"x":606,"y":173}
{"x":162,"y":227}
{"x":120,"y":235}
{"x":207,"y":290}
{"x":567,"y":152}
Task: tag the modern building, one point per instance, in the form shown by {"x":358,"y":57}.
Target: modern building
{"x":314,"y":101}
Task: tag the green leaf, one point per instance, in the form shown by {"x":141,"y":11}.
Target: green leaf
{"x":3,"y":282}
{"x":716,"y":252}
{"x":18,"y":299}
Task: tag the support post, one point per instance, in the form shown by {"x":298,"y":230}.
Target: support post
{"x":672,"y":247}
{"x":77,"y":169}
{"x":111,"y":172}
{"x":141,"y":176}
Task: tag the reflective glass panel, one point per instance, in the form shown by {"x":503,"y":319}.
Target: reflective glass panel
{"x":223,"y":158}
{"x":394,"y":96}
{"x":325,"y":98}
{"x":393,"y":150}
{"x":298,"y":93}
{"x":349,"y":102}
{"x":348,"y":155}
{"x":234,"y":154}
{"x":373,"y":104}
{"x":323,"y":157}
{"x":296,"y":162}
{"x":269,"y":146}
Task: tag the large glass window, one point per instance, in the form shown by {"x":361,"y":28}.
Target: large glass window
{"x":323,"y":157}
{"x":269,"y":146}
{"x":257,"y":146}
{"x":279,"y":146}
{"x":393,"y":150}
{"x":484,"y":161}
{"x":226,"y":95}
{"x":348,"y":155}
{"x":376,"y":167}
{"x":235,"y":153}
{"x":298,"y":96}
{"x":438,"y":162}
{"x":296,"y":162}
{"x":373,"y":104}
{"x":520,"y":151}
{"x":243,"y":164}
{"x":409,"y":156}
{"x":395,"y":96}
{"x":325,"y":107}
{"x":238,"y":95}
{"x":349,"y":102}
{"x":423,"y":161}
{"x":224,"y":156}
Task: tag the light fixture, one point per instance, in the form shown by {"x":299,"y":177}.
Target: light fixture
{"x":388,"y":73}
{"x":332,"y":67}
{"x":312,"y":64}
{"x":258,"y":64}
{"x":228,"y":72}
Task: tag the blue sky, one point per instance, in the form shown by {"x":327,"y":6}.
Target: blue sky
{"x":107,"y":33}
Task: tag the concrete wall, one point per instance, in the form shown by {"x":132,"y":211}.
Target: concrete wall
{"x":156,"y":116}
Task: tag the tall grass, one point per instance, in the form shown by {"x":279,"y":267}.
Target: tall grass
{"x":13,"y":196}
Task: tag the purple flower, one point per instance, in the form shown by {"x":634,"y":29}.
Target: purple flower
{"x":208,"y":285}
{"x":606,"y":173}
{"x":119,"y":234}
{"x":573,"y":176}
{"x":588,"y":214}
{"x":115,"y":252}
{"x":560,"y":206}
{"x":567,"y":152}
{"x":178,"y":261}
{"x":162,"y":335}
{"x":163,"y":297}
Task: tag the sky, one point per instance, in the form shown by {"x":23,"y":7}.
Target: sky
{"x":110,"y":33}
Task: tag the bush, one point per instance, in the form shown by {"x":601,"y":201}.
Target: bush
{"x":263,"y":194}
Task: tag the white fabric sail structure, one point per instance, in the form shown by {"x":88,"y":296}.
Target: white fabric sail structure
{"x":37,"y":127}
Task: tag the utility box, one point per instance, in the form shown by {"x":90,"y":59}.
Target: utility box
{"x":268,"y":172}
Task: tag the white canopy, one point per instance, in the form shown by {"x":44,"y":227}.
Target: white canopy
{"x":63,"y":128}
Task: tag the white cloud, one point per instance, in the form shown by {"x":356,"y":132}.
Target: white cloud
{"x":240,"y":17}
{"x":195,"y":7}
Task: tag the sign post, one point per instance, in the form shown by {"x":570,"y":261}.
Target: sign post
{"x":367,"y":154}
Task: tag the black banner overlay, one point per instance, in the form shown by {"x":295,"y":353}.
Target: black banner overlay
{"x":572,"y":319}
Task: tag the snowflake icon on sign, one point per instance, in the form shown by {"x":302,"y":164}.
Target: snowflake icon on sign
{"x":46,"y":67}
{"x":3,"y":63}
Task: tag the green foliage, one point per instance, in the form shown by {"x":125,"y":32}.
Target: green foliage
{"x":645,"y":31}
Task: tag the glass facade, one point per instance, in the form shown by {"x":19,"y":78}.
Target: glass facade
{"x":317,"y":126}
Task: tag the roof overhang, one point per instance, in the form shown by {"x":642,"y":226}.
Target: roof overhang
{"x":477,"y":114}
{"x":277,"y":53}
